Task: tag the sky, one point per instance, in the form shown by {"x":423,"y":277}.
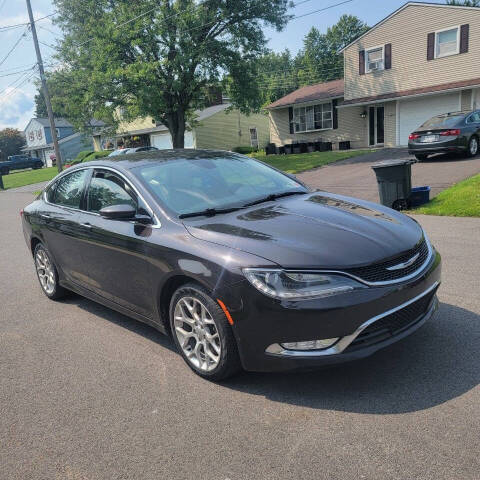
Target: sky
{"x":17,"y":89}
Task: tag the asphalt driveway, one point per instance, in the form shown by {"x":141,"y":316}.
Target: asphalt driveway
{"x":88,"y":394}
{"x":355,"y":177}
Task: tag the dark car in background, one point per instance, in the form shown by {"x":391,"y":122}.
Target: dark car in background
{"x":457,"y":132}
{"x":240,"y":263}
{"x":18,"y":162}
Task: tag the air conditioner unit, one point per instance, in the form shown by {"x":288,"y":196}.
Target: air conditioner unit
{"x":374,"y":66}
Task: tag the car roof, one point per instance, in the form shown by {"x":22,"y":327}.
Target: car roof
{"x":453,"y":114}
{"x":132,"y":160}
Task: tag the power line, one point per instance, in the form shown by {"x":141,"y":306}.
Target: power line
{"x":18,"y":25}
{"x":15,"y":73}
{"x":14,"y":47}
{"x":321,"y":9}
{"x":20,"y":81}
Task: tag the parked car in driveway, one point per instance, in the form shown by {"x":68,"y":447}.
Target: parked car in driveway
{"x":457,"y":132}
{"x":19,"y":162}
{"x":243,"y":265}
{"x":124,"y":151}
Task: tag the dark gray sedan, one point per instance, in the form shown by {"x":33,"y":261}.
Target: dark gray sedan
{"x":456,"y":132}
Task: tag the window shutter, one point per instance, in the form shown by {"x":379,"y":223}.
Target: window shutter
{"x":361,"y":62}
{"x":290,"y":119}
{"x":431,"y":46}
{"x":335,"y":114}
{"x":464,"y":30}
{"x":388,"y":56}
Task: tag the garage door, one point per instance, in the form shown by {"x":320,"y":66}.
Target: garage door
{"x":163,"y":141}
{"x":414,"y":112}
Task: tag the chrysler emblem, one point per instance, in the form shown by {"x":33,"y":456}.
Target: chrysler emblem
{"x":406,"y":264}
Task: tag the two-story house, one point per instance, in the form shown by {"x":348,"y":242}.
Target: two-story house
{"x":39,"y":142}
{"x":420,"y":61}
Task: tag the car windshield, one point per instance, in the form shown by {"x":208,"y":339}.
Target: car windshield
{"x":443,"y":121}
{"x":195,"y":185}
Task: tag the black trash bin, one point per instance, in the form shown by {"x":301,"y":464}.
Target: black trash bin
{"x":394,"y":178}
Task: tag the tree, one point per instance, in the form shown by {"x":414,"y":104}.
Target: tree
{"x":160,"y":64}
{"x":319,"y":60}
{"x":11,"y":140}
{"x":464,"y":3}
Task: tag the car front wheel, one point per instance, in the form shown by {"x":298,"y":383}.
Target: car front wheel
{"x":47,"y":273}
{"x":472,"y":147}
{"x":202,"y":333}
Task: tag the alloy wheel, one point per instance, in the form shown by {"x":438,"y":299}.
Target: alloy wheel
{"x":473,"y":146}
{"x":45,"y":271}
{"x":197,"y":334}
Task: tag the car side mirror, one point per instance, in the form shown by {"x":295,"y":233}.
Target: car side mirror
{"x":118,"y":212}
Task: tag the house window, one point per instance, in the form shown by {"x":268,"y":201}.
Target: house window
{"x":374,"y":59}
{"x":254,"y":137}
{"x":447,"y":42}
{"x":313,"y":117}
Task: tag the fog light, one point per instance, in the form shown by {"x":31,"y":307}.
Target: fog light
{"x":310,"y":345}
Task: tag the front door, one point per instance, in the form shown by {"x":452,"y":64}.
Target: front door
{"x":376,"y":125}
{"x":116,"y":251}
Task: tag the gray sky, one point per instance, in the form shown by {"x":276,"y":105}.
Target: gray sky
{"x":17,"y":89}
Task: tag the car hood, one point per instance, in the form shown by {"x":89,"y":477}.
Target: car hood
{"x":316,"y":230}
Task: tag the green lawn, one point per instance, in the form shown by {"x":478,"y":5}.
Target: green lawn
{"x":460,"y":200}
{"x":28,"y":177}
{"x":300,"y":162}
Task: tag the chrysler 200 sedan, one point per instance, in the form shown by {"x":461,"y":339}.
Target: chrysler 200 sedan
{"x":243,"y":265}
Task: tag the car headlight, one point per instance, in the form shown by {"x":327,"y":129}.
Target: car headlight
{"x":299,"y":286}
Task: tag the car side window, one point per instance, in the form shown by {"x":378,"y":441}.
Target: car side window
{"x":474,"y":118}
{"x":107,"y":189}
{"x":69,"y":189}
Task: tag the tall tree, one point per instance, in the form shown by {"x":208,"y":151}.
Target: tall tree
{"x":464,"y":3}
{"x":155,"y":57}
{"x":319,"y":60}
{"x":11,"y":140}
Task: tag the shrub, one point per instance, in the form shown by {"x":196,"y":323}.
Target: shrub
{"x":81,"y":155}
{"x":96,"y":155}
{"x":244,"y":150}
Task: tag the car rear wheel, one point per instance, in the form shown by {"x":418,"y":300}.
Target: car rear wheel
{"x":421,"y":157}
{"x":47,"y":273}
{"x":472,"y":147}
{"x":202,"y":333}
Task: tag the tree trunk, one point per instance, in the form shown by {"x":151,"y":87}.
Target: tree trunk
{"x":176,"y":126}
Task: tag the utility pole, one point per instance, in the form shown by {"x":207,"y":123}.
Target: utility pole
{"x":46,"y":95}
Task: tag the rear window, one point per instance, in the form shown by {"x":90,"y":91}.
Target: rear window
{"x":443,"y":122}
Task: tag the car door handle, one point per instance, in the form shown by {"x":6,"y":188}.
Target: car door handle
{"x":46,"y":216}
{"x":86,"y":225}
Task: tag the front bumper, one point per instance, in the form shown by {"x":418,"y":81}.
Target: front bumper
{"x":262,"y":324}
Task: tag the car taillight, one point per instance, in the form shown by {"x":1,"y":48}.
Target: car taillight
{"x":450,"y":133}
{"x":21,"y":213}
{"x":413,"y":136}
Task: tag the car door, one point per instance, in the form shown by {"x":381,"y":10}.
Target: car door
{"x":61,"y":230}
{"x":116,"y":250}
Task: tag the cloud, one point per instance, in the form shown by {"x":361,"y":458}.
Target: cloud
{"x":16,"y":109}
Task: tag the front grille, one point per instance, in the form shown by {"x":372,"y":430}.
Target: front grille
{"x":378,"y":272}
{"x":394,"y":323}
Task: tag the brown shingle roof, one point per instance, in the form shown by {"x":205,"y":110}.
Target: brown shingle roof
{"x":414,"y":91}
{"x":320,"y":91}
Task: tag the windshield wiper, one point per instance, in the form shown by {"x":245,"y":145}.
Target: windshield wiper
{"x":209,"y":212}
{"x":274,"y":196}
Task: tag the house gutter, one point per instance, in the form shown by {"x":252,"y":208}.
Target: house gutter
{"x":390,"y":99}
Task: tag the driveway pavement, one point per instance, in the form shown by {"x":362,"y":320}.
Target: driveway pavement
{"x":355,"y":177}
{"x":88,"y":394}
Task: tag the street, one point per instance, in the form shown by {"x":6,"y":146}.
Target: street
{"x":86,"y":393}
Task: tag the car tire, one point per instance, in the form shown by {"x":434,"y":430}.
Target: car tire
{"x":47,"y":273}
{"x":5,"y":171}
{"x":421,"y":157}
{"x":202,"y":334}
{"x":472,"y":149}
